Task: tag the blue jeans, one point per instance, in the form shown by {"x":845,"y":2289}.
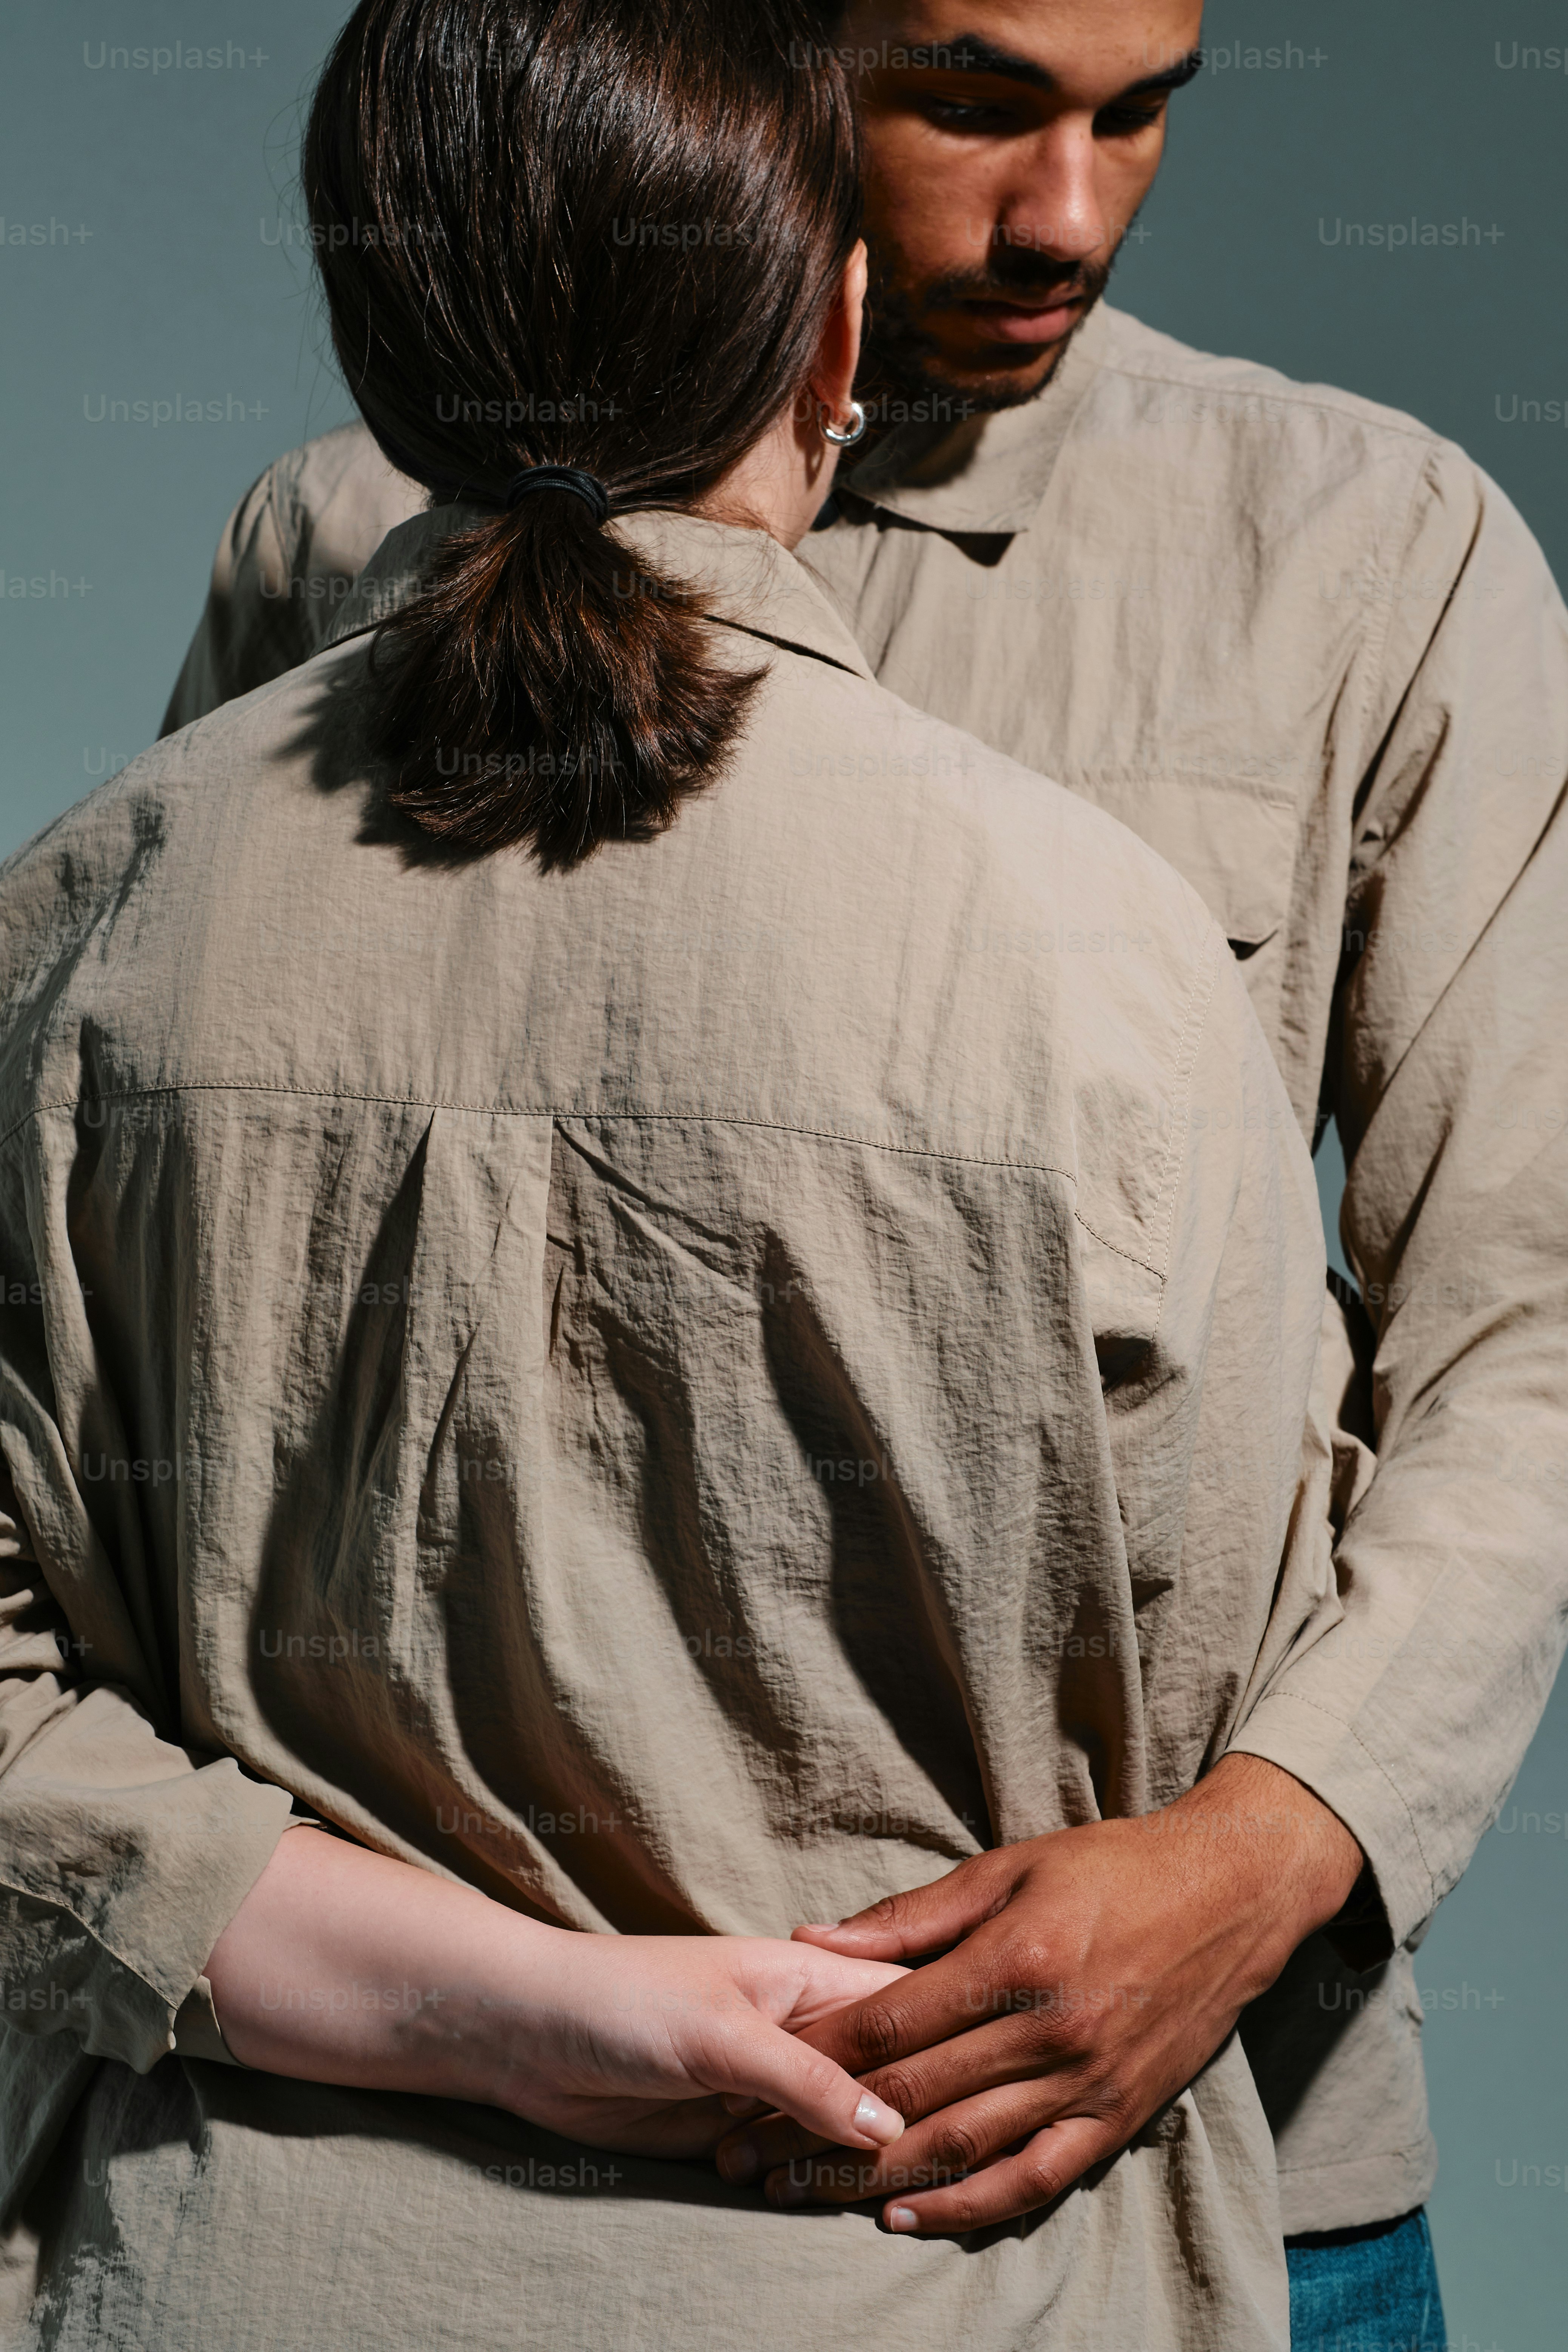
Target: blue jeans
{"x":1371,"y":2290}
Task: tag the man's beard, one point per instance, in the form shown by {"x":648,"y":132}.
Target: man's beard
{"x":902,"y":356}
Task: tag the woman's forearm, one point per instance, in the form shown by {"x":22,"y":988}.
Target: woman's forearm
{"x":342,"y":1966}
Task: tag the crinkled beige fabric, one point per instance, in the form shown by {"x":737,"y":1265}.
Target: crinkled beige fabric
{"x":1309,"y":651}
{"x":691,"y":1395}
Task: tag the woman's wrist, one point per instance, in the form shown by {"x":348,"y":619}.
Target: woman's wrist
{"x":344,"y":1965}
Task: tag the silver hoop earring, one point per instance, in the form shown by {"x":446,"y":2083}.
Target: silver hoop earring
{"x":843,"y":437}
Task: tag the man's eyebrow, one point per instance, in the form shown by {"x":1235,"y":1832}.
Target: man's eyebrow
{"x":970,"y":53}
{"x":1175,"y":76}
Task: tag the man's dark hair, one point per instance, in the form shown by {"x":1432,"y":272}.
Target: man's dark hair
{"x":598,"y":234}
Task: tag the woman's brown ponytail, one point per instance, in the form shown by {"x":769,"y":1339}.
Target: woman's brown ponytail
{"x":598,"y":234}
{"x":545,"y":690}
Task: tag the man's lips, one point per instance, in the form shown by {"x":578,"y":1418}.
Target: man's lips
{"x":1001,"y":321}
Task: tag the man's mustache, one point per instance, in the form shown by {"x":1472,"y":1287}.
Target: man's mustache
{"x":1013,"y":274}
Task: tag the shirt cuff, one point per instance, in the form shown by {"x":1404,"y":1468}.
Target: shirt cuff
{"x":197,"y":2033}
{"x":1395,"y":1895}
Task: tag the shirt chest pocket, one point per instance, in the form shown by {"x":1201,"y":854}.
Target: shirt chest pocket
{"x":1235,"y":845}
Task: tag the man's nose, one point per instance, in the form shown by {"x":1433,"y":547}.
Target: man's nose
{"x":1054,"y":207}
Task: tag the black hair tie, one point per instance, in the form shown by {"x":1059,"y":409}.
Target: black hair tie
{"x":582,"y":486}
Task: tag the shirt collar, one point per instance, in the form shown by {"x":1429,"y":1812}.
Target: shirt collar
{"x":746,"y":580}
{"x":989,"y":473}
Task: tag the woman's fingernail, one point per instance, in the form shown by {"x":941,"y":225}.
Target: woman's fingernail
{"x":902,"y":2217}
{"x":883,"y":2125}
{"x":739,"y":2162}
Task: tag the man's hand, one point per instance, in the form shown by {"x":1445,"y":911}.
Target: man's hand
{"x":1091,"y":1975}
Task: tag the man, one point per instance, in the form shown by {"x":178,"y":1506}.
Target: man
{"x":1312,"y":655}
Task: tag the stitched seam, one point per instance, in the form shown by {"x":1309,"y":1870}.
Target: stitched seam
{"x":716,"y":1118}
{"x":1294,"y":1698}
{"x":1377,"y":645}
{"x":1297,"y":394}
{"x":1373,"y":680}
{"x":1413,"y":2150}
{"x":498,"y":1110}
{"x":675,"y":1117}
{"x":1197,"y":1012}
{"x":1079,"y":1219}
{"x":1377,"y":640}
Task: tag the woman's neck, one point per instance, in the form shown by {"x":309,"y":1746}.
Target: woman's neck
{"x":782,"y":482}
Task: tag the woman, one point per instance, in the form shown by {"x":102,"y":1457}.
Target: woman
{"x":625,"y":1267}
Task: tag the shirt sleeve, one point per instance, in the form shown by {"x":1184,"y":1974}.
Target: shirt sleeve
{"x":289,"y":558}
{"x":124,"y":1852}
{"x":253,"y":627}
{"x":1246,"y":1561}
{"x":1448,"y":1076}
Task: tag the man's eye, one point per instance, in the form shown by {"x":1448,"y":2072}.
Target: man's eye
{"x":1126,"y":121}
{"x":959,"y":115}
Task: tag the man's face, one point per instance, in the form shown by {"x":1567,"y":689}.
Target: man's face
{"x":1009,"y":144}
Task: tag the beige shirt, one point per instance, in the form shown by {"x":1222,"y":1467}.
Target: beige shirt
{"x":690,"y":1395}
{"x":1311,"y":653}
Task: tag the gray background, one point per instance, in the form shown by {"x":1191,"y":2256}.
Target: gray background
{"x":164,"y":198}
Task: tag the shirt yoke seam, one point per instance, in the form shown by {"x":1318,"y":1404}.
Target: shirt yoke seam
{"x":1298,"y":396}
{"x":546,"y":1111}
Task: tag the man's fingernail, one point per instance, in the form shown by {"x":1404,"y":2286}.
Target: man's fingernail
{"x":883,"y":2125}
{"x":902,"y":2217}
{"x":739,"y":2162}
{"x":820,"y":1926}
{"x":785,"y":2190}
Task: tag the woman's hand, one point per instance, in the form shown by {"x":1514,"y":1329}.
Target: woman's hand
{"x":633,"y":2041}
{"x":342,"y":1966}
